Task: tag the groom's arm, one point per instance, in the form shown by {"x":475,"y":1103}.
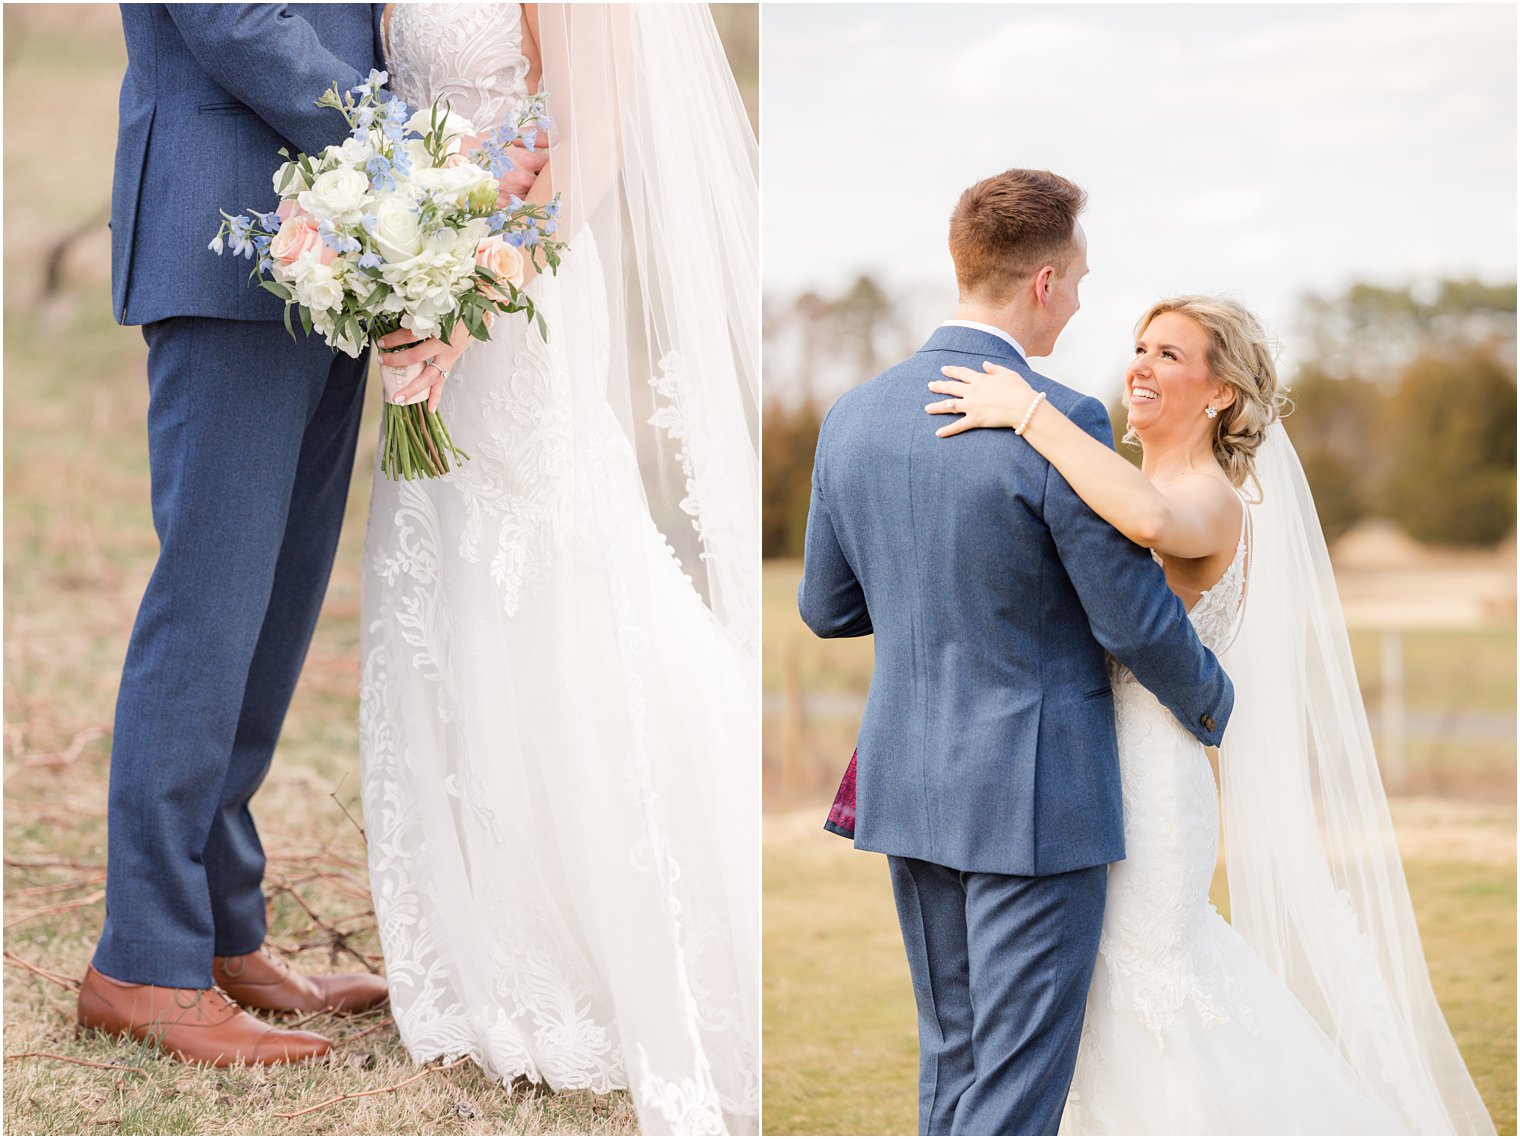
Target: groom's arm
{"x":1131,"y":611}
{"x":271,"y":59}
{"x":829,"y":597}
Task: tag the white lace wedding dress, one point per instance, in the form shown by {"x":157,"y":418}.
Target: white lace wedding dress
{"x":558,"y":737}
{"x":1187,"y":1031}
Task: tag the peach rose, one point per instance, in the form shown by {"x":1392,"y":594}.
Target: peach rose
{"x":297,"y":237}
{"x":289,"y":208}
{"x":506,"y":261}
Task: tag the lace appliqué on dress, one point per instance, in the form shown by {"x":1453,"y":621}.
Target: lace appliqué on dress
{"x":467,"y":54}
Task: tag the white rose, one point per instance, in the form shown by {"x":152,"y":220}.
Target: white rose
{"x":317,"y":286}
{"x":454,"y":127}
{"x":417,"y":153}
{"x":426,"y":178}
{"x":297,"y":178}
{"x":338,"y":194}
{"x":460,"y":179}
{"x":397,"y":234}
{"x":355,"y":151}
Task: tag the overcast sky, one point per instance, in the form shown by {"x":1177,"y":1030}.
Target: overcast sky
{"x":1257,"y":149}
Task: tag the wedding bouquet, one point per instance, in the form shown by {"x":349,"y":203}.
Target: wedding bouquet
{"x":400,"y":227}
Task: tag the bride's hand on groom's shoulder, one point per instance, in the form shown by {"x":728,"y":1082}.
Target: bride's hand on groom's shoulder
{"x":994,"y":397}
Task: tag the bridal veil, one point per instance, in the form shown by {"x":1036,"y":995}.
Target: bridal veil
{"x":1316,"y":885}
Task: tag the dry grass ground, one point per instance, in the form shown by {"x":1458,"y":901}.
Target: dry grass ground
{"x":840,"y":1040}
{"x":841,"y":1046}
{"x":79,"y":546}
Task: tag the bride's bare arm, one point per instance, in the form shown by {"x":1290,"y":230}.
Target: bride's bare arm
{"x":1193,"y":515}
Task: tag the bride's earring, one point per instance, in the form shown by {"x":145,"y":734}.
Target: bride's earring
{"x":1210,"y":412}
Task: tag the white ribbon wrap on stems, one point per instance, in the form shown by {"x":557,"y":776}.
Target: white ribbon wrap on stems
{"x":393,"y":380}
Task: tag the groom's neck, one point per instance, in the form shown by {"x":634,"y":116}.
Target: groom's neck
{"x":1004,"y":318}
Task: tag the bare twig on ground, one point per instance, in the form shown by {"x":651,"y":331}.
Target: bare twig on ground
{"x":428,"y":1071}
{"x":51,"y":863}
{"x":47,"y":974}
{"x":56,"y":887}
{"x":82,"y":739}
{"x":364,"y":1032}
{"x":349,"y":817}
{"x":82,"y":1063}
{"x":61,"y":907}
{"x":337,"y":939}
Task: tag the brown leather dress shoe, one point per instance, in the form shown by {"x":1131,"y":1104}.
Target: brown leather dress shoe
{"x":201,"y":1026}
{"x":260,"y":980}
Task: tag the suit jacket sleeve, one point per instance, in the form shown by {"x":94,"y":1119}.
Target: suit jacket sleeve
{"x":271,"y":59}
{"x":829,"y":597}
{"x":1131,"y":611}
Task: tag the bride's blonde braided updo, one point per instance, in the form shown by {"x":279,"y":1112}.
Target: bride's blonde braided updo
{"x":1240,"y":354}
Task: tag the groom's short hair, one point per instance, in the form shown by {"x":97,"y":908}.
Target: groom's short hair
{"x":1008,"y":227}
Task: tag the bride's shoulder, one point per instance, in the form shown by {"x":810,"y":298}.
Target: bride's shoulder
{"x":1208,"y":496}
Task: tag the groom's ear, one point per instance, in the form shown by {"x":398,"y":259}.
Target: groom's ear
{"x":1042,"y":281}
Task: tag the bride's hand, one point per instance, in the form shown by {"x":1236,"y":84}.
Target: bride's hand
{"x":996,"y":397}
{"x":526,"y":164}
{"x":441,"y":354}
{"x":518,"y":180}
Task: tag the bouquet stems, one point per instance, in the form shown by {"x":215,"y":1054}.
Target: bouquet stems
{"x":417,"y":444}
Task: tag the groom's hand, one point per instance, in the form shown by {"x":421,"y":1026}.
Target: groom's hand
{"x":441,"y":354}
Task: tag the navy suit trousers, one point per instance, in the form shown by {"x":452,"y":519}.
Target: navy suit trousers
{"x":1001,"y":965}
{"x":251,"y":443}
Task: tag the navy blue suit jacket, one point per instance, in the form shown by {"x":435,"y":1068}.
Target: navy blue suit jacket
{"x":993,"y":591}
{"x":211,"y":92}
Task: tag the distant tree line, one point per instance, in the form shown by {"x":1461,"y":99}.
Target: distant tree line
{"x":1404,"y":408}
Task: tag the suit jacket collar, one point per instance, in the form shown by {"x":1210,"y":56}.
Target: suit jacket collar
{"x":972,"y":342}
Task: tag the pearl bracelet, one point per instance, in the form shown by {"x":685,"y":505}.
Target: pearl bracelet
{"x":1028,"y":415}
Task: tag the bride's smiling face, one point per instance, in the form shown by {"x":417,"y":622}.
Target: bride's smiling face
{"x":1168,"y":377}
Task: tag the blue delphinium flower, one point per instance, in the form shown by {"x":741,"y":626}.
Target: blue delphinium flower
{"x":379,"y":169}
{"x":496,"y":158}
{"x":237,"y":237}
{"x":394,"y":121}
{"x":336,"y":241}
{"x":371,"y":84}
{"x":370,"y":260}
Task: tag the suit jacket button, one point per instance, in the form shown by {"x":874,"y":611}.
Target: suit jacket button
{"x":1207,"y":721}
